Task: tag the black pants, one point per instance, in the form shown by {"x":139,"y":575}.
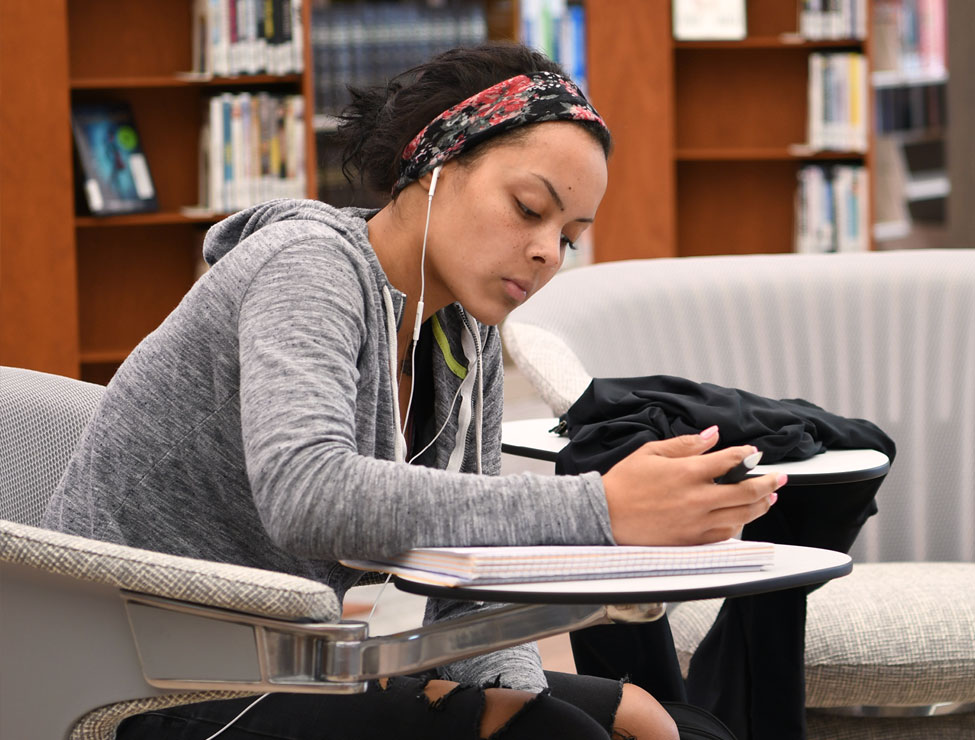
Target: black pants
{"x":578,"y":708}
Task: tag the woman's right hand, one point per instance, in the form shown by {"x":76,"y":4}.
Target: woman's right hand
{"x":664,"y":493}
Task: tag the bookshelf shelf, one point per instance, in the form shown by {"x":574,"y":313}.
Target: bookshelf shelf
{"x":734,"y":154}
{"x":782,"y":41}
{"x":179,"y":80}
{"x":166,"y":218}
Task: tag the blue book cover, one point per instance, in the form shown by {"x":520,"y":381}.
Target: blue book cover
{"x":113,"y":169}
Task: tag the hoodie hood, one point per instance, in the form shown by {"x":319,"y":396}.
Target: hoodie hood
{"x":227,"y":234}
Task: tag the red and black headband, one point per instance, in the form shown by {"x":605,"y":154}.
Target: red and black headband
{"x":541,"y":96}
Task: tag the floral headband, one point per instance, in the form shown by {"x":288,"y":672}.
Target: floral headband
{"x":542,"y":96}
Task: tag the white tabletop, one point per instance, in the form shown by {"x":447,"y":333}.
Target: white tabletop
{"x":794,"y":566}
{"x":532,"y":438}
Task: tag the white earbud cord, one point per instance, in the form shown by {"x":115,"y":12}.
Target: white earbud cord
{"x":419,"y":306}
{"x":243,"y":712}
{"x":416,"y":335}
{"x":442,"y":426}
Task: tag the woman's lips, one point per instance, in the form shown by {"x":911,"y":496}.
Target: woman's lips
{"x":515,"y":289}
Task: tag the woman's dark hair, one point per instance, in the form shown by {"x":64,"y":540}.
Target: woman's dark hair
{"x":380,"y":121}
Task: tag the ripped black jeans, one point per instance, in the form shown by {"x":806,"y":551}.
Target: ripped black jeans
{"x":577,"y":708}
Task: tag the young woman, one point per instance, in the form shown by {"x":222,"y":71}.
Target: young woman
{"x":332,"y":388}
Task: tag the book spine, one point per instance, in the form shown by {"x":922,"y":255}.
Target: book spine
{"x":226,"y":111}
{"x":201,"y":40}
{"x":862,"y":184}
{"x":219,"y":45}
{"x":815,"y":101}
{"x":250,"y":54}
{"x":215,"y":155}
{"x":203,"y":158}
{"x":233,"y":6}
{"x":286,"y":47}
{"x":297,"y":37}
{"x":301,"y":179}
{"x":270,"y":28}
{"x":275,"y":149}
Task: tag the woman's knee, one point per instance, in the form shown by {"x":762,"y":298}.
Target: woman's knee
{"x":641,"y":716}
{"x":520,"y":715}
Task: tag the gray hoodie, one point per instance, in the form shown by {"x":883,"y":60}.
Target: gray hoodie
{"x":257,"y":425}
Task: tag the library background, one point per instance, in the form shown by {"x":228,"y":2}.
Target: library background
{"x":769,"y":126}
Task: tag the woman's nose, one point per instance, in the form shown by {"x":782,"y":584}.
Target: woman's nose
{"x":547,"y":250}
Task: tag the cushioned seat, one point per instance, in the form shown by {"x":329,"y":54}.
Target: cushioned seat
{"x":854,"y":659}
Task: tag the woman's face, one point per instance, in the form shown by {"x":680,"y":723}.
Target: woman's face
{"x":500,"y":226}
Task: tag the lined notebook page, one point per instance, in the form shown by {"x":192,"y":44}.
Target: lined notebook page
{"x":455,"y":566}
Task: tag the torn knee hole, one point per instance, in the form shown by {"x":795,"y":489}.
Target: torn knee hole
{"x":501,"y":708}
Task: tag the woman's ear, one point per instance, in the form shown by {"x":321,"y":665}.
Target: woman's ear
{"x":425,"y":181}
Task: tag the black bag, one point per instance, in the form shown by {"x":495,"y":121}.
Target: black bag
{"x":694,"y":723}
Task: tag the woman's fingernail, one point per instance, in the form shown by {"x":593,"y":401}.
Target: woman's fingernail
{"x":772,"y":498}
{"x":710,"y":433}
{"x":781,"y":480}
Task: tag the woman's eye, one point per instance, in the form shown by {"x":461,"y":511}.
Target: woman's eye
{"x":526,"y":210}
{"x":567,"y":242}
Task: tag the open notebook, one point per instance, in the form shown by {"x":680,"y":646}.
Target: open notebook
{"x":462,"y":566}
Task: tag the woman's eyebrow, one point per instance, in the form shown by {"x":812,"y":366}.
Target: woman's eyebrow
{"x":555,"y":196}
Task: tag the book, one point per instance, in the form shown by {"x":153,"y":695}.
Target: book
{"x":709,"y":20}
{"x":113,"y":170}
{"x":465,"y":566}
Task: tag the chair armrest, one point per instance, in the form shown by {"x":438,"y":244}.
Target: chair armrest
{"x":186,"y":646}
{"x":234,"y":587}
{"x":202,"y":625}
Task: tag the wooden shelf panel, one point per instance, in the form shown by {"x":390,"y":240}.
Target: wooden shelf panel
{"x":128,"y":282}
{"x":735,"y":207}
{"x":740,"y":99}
{"x":182,"y":81}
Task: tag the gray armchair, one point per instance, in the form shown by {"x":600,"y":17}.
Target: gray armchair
{"x":883,"y":336}
{"x":92,"y":632}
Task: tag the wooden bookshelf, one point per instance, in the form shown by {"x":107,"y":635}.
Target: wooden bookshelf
{"x":709,"y":134}
{"x":79,"y":292}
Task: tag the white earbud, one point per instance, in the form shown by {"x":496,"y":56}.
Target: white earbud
{"x":436,"y":177}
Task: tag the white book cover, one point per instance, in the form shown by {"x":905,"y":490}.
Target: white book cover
{"x":709,"y":20}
